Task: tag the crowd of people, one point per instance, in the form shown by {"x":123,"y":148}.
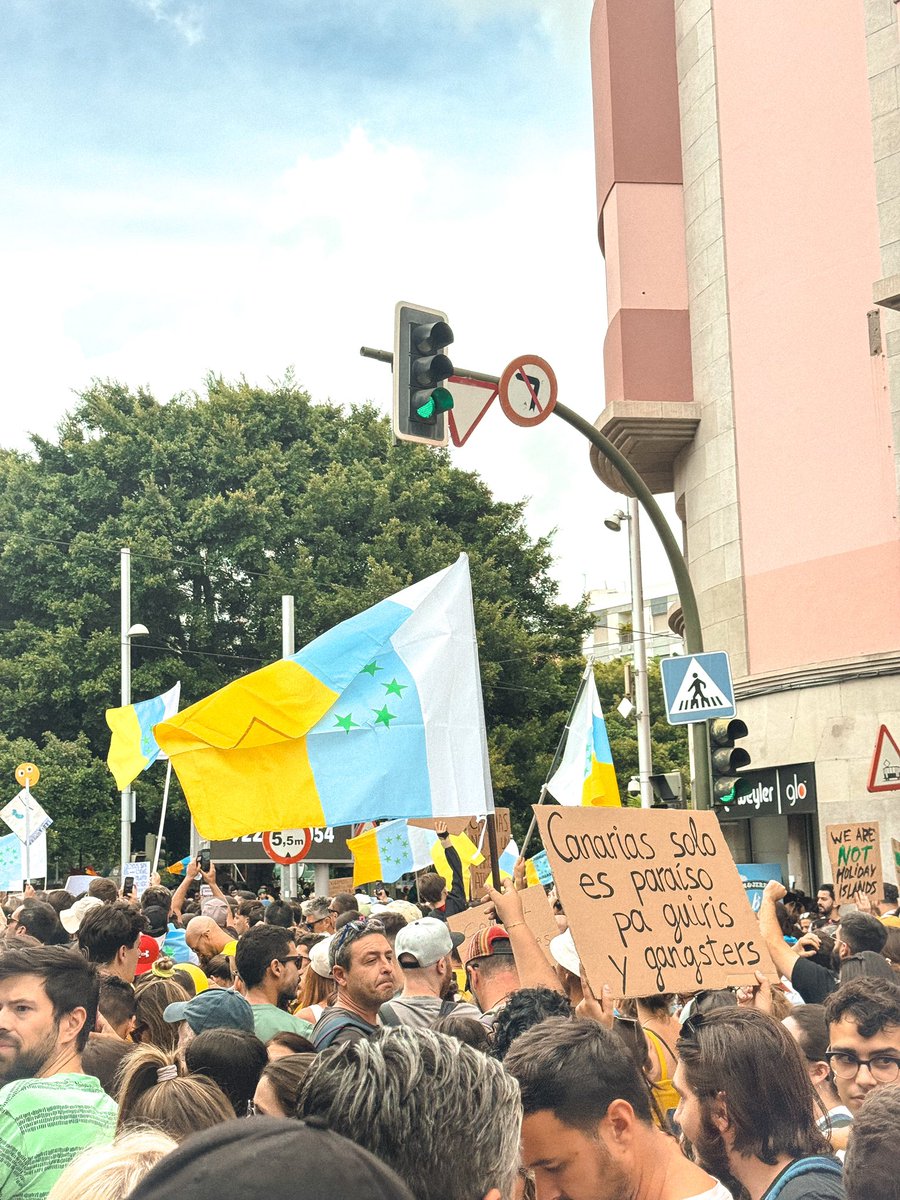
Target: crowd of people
{"x":206,"y":1042}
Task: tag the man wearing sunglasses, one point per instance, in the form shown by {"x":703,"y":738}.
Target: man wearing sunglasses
{"x":268,"y":962}
{"x":863,"y":1018}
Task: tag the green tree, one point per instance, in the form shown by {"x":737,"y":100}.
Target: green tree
{"x":228,"y":501}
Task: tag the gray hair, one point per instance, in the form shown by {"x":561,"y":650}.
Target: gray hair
{"x":444,"y":1116}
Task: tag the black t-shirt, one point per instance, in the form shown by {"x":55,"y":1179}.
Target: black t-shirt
{"x":814,"y":983}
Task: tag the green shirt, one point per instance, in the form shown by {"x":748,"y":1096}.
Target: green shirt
{"x":269,"y":1020}
{"x":44,"y":1124}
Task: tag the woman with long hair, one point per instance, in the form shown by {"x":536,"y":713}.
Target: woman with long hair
{"x":155,"y":1094}
{"x":151,"y":998}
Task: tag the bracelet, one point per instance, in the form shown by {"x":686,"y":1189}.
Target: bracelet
{"x":514,"y":924}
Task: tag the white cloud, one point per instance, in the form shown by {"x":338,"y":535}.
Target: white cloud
{"x":185,"y":19}
{"x":320,"y":256}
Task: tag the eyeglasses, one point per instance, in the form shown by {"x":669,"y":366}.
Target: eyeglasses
{"x":884,"y":1068}
{"x":291,"y":958}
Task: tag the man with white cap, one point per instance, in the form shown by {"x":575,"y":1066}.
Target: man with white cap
{"x":423,"y":949}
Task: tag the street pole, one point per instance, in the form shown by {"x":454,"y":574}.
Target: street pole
{"x":287,"y":649}
{"x":701,"y":786}
{"x":701,"y":791}
{"x":639,"y":641}
{"x":127,"y":797}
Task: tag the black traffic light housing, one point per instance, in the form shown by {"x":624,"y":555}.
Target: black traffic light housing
{"x":421,"y":402}
{"x":727,"y":759}
{"x":668,"y":790}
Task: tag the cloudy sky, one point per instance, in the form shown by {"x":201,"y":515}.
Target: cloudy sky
{"x":242,"y":186}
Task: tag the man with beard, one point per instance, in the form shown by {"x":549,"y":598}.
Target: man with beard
{"x":588,"y":1132}
{"x":268,"y":962}
{"x":362,"y":965}
{"x":423,"y":950}
{"x":49,"y":1109}
{"x":747,"y":1107}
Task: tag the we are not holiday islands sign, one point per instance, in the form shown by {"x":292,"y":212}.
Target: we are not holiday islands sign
{"x":654,"y":899}
{"x":855,"y":853}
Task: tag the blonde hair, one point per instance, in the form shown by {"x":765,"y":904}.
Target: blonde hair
{"x":152,"y":996}
{"x":112,"y":1172}
{"x":155,"y":1093}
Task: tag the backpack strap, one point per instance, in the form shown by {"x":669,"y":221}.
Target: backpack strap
{"x":388,"y":1014}
{"x":805,"y":1166}
{"x":447,"y":1007}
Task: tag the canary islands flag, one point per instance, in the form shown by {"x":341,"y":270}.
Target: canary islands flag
{"x":133,"y":748}
{"x":396,"y":848}
{"x":381,"y":716}
{"x":586,"y":774}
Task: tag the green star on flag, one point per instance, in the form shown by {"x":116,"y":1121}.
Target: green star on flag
{"x":371,"y":668}
{"x":383,"y":717}
{"x":394,"y":688}
{"x":346,"y":723}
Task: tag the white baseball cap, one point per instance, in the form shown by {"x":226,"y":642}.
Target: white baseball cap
{"x":425,"y":942}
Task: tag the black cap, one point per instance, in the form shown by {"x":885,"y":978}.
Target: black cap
{"x":297,"y":1162}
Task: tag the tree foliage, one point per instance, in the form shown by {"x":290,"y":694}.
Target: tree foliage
{"x":228,"y":501}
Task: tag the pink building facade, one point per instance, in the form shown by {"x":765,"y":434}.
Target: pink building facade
{"x":748,"y":184}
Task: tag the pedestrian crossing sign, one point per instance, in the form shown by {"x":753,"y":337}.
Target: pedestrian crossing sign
{"x":697,"y":687}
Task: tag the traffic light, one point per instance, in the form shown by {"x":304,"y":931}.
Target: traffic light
{"x":420,"y":370}
{"x":668,"y":790}
{"x":727,"y":759}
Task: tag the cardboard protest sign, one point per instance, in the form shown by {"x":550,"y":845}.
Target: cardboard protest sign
{"x":539,"y":917}
{"x":855,"y":853}
{"x":895,"y":847}
{"x":653,"y":898}
{"x":472,"y":827}
{"x":343,"y":883}
{"x":469,"y":921}
{"x":478,"y":877}
{"x":536,"y":911}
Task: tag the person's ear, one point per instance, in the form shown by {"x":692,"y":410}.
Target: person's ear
{"x":71,"y":1024}
{"x":339,"y":975}
{"x":718,"y":1113}
{"x":618,"y":1123}
{"x":818,"y":1072}
{"x":493,"y":1194}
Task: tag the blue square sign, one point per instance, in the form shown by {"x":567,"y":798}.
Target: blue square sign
{"x":697,"y":687}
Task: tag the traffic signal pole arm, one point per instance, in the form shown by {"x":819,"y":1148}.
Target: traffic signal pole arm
{"x":693,"y":633}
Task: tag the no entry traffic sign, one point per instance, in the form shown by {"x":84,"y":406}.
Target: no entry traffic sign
{"x":287,"y":846}
{"x":528,"y":390}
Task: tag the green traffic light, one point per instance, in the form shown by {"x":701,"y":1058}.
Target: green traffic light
{"x":440,"y":400}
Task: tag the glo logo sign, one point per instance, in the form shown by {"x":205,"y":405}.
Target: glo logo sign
{"x":775,"y":792}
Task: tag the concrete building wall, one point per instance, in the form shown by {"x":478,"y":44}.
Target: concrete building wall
{"x":706,"y":478}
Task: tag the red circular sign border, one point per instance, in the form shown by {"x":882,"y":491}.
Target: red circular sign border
{"x":519,"y":364}
{"x":287,"y":860}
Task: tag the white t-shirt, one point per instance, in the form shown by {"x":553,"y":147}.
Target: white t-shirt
{"x":719,"y":1192}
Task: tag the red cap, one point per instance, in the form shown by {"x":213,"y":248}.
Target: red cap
{"x":149,"y":953}
{"x":493,"y":939}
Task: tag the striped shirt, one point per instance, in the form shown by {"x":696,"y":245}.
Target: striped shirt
{"x":44,"y":1124}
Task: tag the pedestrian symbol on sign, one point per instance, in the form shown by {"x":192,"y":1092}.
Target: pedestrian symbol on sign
{"x":697,"y":692}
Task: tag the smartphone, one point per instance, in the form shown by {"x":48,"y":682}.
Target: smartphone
{"x":128,"y":886}
{"x":203,"y":860}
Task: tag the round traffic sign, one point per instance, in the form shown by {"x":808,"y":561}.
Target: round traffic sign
{"x":287,"y":846}
{"x":528,"y":390}
{"x":27,"y":774}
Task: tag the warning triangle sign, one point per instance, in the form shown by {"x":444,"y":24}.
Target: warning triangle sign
{"x":697,"y":692}
{"x":885,"y":773}
{"x":471,"y":400}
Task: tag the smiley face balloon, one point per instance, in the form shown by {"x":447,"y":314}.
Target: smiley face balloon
{"x":27,"y":774}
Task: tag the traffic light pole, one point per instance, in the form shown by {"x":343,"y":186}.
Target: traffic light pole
{"x":701,"y":796}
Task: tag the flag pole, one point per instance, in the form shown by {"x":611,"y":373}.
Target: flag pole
{"x":559,"y":748}
{"x":162,"y":817}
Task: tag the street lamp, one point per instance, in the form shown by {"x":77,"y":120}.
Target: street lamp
{"x":641,"y":690}
{"x":128,"y":631}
